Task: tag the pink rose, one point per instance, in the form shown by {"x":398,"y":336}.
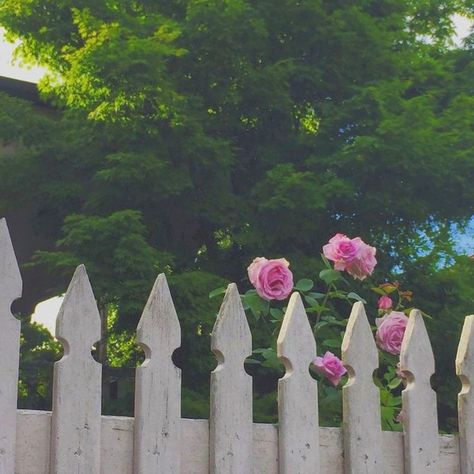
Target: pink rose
{"x":364,"y":263}
{"x":385,"y":302}
{"x":272,"y":279}
{"x":341,"y":250}
{"x":390,"y":331}
{"x":330,"y":366}
{"x":254,"y":268}
{"x":351,"y":255}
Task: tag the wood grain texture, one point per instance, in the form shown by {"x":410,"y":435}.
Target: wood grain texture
{"x":420,"y":418}
{"x":465,"y":371}
{"x":297,"y":394}
{"x":231,"y":390}
{"x":33,"y":438}
{"x":361,"y":398}
{"x":10,"y":290}
{"x":75,"y":441}
{"x":158,"y":387}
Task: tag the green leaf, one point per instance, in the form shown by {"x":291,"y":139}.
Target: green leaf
{"x":394,"y":383}
{"x":379,"y":291}
{"x":318,"y":296}
{"x":277,"y":313}
{"x":329,"y":276}
{"x":320,"y":325}
{"x":311,"y":301}
{"x":217,"y":291}
{"x":256,"y":304}
{"x":332,"y":343}
{"x":271,"y":358}
{"x":338,"y":294}
{"x":426,"y":315}
{"x":305,"y":284}
{"x":355,"y":296}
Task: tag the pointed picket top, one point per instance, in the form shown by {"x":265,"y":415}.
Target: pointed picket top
{"x":10,"y":290}
{"x":78,"y":321}
{"x":360,"y":396}
{"x":157,"y":428}
{"x":296,"y":342}
{"x":465,"y":354}
{"x":231,"y":325}
{"x":10,"y":278}
{"x":230,"y":423}
{"x":297,"y":394}
{"x":358,"y":349}
{"x":76,"y":414}
{"x":416,"y":354}
{"x":465,"y":371}
{"x":158,"y":329}
{"x":420,"y":418}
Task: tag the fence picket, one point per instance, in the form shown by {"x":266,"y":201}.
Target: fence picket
{"x":465,"y":371}
{"x":420,"y":419}
{"x":157,"y":436}
{"x":231,"y":390}
{"x":361,"y":398}
{"x":10,"y":290}
{"x":297,"y":394}
{"x":76,"y":417}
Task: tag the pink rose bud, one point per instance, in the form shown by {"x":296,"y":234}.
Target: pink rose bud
{"x":331,"y":367}
{"x":390,"y":331}
{"x":351,"y":255}
{"x":272,"y":279}
{"x":385,"y":302}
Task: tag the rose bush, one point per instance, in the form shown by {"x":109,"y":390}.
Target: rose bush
{"x":272,"y":282}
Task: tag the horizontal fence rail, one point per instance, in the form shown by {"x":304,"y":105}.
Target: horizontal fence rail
{"x":75,"y":439}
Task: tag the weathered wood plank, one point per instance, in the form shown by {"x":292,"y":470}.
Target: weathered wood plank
{"x":231,"y":390}
{"x":361,"y":398}
{"x":10,"y":290}
{"x":75,"y":441}
{"x":420,"y":418}
{"x":297,"y":394}
{"x":465,"y":371}
{"x":158,"y":387}
{"x":33,"y":438}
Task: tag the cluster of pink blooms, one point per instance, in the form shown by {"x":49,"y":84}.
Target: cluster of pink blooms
{"x":353,"y":256}
{"x":273,"y":280}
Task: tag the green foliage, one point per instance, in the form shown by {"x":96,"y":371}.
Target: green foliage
{"x":38,"y":353}
{"x":448,"y":295}
{"x":120,"y":262}
{"x":196,"y":135}
{"x":327,"y":313}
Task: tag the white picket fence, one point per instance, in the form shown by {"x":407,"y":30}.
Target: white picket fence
{"x":75,"y":439}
